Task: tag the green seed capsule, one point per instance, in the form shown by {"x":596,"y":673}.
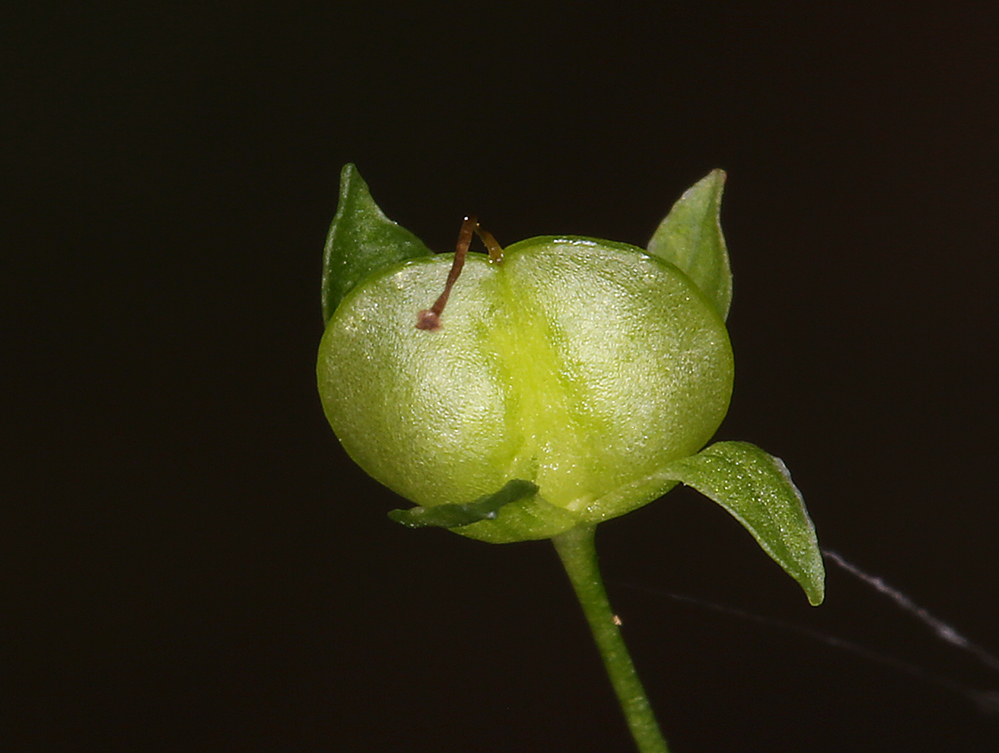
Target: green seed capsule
{"x":554,"y":384}
{"x":583,"y":366}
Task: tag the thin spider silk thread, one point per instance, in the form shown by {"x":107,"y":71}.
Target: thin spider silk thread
{"x":942,"y":630}
{"x":986,"y":701}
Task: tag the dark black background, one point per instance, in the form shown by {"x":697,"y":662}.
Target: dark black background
{"x":191,"y":563}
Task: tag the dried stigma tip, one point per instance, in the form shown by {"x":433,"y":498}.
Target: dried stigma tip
{"x":430,"y":319}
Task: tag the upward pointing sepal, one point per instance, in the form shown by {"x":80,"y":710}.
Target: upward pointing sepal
{"x":361,"y":240}
{"x":691,"y":238}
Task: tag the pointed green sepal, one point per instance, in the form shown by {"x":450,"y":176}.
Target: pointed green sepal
{"x":460,"y":515}
{"x":361,"y":240}
{"x":757,"y":490}
{"x":691,"y":238}
{"x":529,"y":519}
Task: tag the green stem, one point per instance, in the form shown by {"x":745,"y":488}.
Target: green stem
{"x":579,"y":557}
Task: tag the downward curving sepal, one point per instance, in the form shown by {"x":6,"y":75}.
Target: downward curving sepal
{"x":757,"y":490}
{"x":691,"y":238}
{"x":460,"y":515}
{"x":361,"y":240}
{"x":514,"y":513}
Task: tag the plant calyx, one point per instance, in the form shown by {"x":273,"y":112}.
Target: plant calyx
{"x":557,"y":382}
